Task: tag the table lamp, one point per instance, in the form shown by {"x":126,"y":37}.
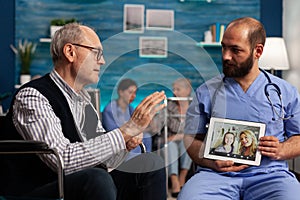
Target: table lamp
{"x":274,"y":56}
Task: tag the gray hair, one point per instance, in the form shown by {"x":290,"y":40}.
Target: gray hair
{"x":69,"y":33}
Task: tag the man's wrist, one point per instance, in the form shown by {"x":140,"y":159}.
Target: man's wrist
{"x":129,"y":130}
{"x":125,"y":135}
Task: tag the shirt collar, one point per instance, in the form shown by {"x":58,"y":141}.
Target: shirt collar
{"x":82,"y":95}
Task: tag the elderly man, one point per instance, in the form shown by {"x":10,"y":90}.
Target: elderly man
{"x":56,"y":109}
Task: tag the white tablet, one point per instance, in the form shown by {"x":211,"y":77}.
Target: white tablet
{"x":234,"y":140}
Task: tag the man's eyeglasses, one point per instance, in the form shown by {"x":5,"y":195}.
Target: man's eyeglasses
{"x":98,"y":51}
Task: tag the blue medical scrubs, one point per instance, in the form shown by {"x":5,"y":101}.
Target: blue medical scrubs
{"x":224,"y":98}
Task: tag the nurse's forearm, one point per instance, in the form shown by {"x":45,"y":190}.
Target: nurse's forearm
{"x":193,"y":145}
{"x":271,"y":147}
{"x":291,"y":147}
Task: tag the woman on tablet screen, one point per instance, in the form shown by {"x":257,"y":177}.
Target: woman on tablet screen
{"x":248,"y":143}
{"x":227,"y":144}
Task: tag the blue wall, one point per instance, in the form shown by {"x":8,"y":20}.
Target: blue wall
{"x":121,"y":49}
{"x":271,"y":17}
{"x":7,"y":67}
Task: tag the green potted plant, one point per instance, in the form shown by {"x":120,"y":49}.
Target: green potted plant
{"x":25,"y":52}
{"x":56,"y":24}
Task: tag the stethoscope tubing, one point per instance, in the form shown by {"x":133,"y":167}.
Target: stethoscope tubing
{"x":278,"y":91}
{"x":267,"y":86}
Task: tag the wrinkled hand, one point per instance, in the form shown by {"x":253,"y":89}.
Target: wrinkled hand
{"x":270,"y":146}
{"x":133,"y":143}
{"x":226,"y":166}
{"x":143,"y":115}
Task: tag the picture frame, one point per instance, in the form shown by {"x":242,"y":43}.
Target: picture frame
{"x":133,"y":19}
{"x":244,"y":136}
{"x":153,"y":47}
{"x":158,"y":19}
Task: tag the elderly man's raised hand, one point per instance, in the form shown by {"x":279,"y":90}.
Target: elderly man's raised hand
{"x":143,"y":115}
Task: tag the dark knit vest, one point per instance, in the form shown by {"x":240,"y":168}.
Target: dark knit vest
{"x":21,"y":174}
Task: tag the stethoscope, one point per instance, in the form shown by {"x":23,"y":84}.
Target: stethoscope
{"x":278,"y":91}
{"x":267,"y":87}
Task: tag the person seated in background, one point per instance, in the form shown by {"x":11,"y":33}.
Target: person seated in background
{"x":119,"y":111}
{"x":176,"y":111}
{"x":57,"y":110}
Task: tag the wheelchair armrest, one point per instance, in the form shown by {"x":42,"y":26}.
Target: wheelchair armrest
{"x":22,"y":146}
{"x":143,"y":148}
{"x":34,"y":147}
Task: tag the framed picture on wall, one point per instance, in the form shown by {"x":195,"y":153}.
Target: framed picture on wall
{"x":133,"y":20}
{"x":234,"y":140}
{"x":153,"y":47}
{"x":159,"y":19}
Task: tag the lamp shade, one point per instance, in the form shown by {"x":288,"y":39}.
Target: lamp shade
{"x":274,"y":56}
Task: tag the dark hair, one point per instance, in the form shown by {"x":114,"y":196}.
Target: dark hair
{"x":256,"y":30}
{"x":125,"y":84}
{"x":227,"y":133}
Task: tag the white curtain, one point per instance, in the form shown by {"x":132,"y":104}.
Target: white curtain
{"x":291,"y":34}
